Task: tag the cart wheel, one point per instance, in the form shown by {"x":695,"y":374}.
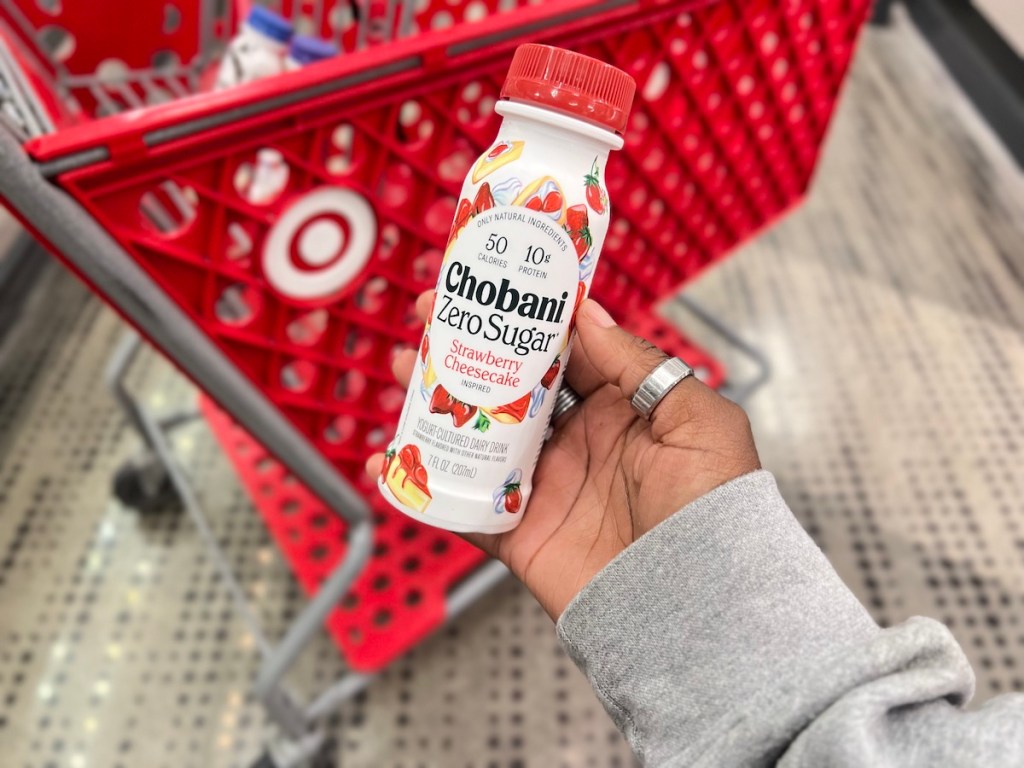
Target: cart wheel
{"x":142,"y":484}
{"x":266,"y":760}
{"x":881,"y":14}
{"x":312,"y":751}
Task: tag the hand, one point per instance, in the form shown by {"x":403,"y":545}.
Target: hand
{"x":607,"y":476}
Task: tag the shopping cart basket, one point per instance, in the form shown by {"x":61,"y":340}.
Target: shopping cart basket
{"x":284,"y":307}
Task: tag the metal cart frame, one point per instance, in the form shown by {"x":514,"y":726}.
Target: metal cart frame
{"x":60,"y":224}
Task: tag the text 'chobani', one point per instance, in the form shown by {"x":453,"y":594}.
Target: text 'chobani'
{"x":465,"y":294}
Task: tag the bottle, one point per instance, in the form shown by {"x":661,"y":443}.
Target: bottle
{"x":308,"y":50}
{"x":256,"y":51}
{"x":528,"y":229}
{"x":270,"y":176}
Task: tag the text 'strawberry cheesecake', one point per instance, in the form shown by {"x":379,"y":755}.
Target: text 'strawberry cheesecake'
{"x":520,"y":257}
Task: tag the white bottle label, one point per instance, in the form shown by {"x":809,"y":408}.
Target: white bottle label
{"x":520,"y":256}
{"x":504,"y":302}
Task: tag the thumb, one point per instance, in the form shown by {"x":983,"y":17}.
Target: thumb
{"x":615,"y":356}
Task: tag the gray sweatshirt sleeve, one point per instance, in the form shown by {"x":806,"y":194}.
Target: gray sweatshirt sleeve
{"x":724,"y":638}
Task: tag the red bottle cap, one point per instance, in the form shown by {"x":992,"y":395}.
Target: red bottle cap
{"x":571,"y":83}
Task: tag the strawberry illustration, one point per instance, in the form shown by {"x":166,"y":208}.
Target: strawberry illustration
{"x":508,"y":497}
{"x":549,"y":378}
{"x":461,"y":412}
{"x":577,"y":224}
{"x":596,"y":197}
{"x":513,"y":498}
{"x":511,"y":413}
{"x":424,"y":348}
{"x":442,"y":402}
{"x":550,"y":203}
{"x":465,"y":210}
{"x":484,"y":199}
{"x":463,"y":213}
{"x":581,"y":242}
{"x":576,"y":218}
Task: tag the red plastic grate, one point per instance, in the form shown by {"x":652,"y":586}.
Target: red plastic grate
{"x":400,"y":596}
{"x":106,"y":70}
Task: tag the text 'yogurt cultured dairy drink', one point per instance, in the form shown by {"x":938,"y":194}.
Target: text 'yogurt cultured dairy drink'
{"x":257,"y":50}
{"x":528,"y":229}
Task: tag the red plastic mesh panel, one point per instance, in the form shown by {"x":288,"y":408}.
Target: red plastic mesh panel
{"x":383,"y":21}
{"x":400,"y":596}
{"x":668,"y":339}
{"x":79,"y":37}
{"x":733,"y":102}
{"x":135,"y":49}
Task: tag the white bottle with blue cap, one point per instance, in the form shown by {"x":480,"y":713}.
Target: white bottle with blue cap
{"x":257,"y":51}
{"x":305,"y":50}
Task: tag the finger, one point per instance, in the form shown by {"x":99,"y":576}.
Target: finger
{"x":620,"y":358}
{"x":614,"y":355}
{"x":423,"y":304}
{"x":581,"y":374}
{"x":402,"y":365}
{"x":373,"y":464}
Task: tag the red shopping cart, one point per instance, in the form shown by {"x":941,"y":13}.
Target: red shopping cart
{"x":285,"y":306}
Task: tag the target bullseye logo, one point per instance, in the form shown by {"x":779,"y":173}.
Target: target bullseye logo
{"x":320,"y":244}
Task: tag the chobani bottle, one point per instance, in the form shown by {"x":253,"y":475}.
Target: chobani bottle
{"x":528,"y":229}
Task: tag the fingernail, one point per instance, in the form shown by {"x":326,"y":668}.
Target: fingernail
{"x":597,"y":314}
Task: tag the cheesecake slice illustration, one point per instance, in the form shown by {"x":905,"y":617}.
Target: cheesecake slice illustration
{"x":406,"y":477}
{"x":502,"y":153}
{"x":426,"y":361}
{"x":429,"y":374}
